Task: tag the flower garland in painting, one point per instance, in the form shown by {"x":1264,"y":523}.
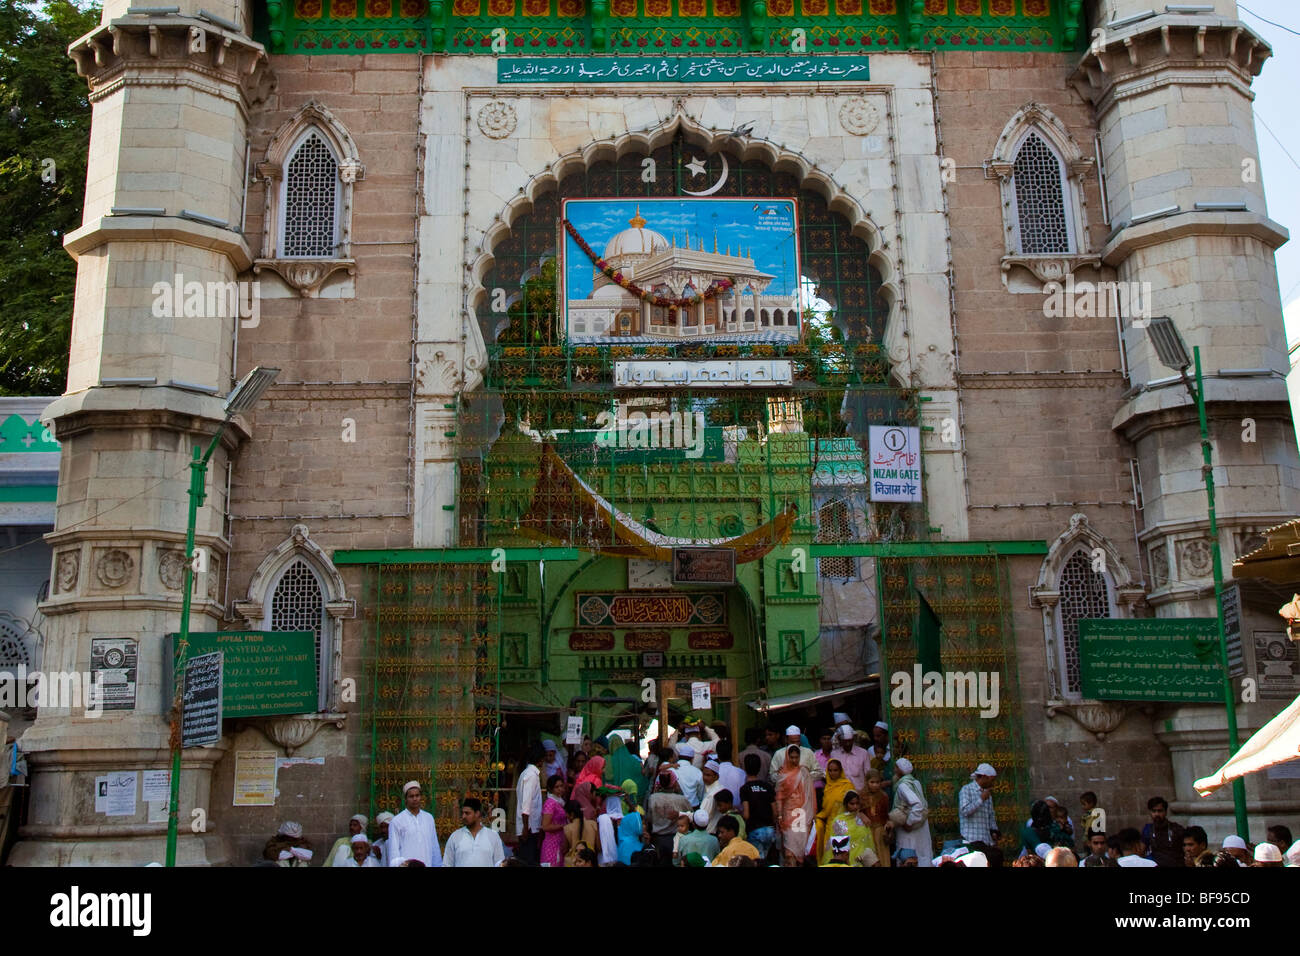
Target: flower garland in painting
{"x":718,"y":286}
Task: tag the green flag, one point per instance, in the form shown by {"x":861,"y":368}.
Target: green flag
{"x":927,"y":636}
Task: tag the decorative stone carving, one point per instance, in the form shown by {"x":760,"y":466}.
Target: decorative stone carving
{"x":305,"y":276}
{"x":114,"y":568}
{"x":858,"y":116}
{"x":1097,"y":717}
{"x":1248,"y":541}
{"x":292,"y":733}
{"x":214,"y":576}
{"x":171,"y":569}
{"x":1159,"y":555}
{"x":66,"y":570}
{"x":1194,"y":558}
{"x":1048,"y":268}
{"x":437,"y":373}
{"x":497,"y":119}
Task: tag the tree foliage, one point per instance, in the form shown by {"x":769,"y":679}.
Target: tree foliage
{"x":44,"y":137}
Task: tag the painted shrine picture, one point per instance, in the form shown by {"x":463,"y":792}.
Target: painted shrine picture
{"x":677,"y":270}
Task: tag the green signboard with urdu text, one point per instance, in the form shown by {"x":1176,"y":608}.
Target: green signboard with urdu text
{"x":1155,"y":659}
{"x":263,"y":672}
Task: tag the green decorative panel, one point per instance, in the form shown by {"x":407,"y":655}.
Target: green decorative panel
{"x":790,"y":647}
{"x":563,"y":27}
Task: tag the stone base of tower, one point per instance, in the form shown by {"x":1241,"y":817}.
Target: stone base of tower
{"x":64,"y":829}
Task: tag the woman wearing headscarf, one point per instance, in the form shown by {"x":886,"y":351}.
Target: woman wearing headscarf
{"x":621,"y":762}
{"x":910,"y":815}
{"x":553,"y":821}
{"x":576,"y":763}
{"x":578,"y":832}
{"x":853,"y":823}
{"x":631,"y":829}
{"x":875,"y":814}
{"x":584,"y":788}
{"x":837,"y":788}
{"x":796,"y":808}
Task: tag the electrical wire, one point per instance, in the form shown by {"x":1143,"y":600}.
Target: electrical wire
{"x":1243,"y":7}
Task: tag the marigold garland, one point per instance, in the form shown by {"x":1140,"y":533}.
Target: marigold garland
{"x":718,"y":286}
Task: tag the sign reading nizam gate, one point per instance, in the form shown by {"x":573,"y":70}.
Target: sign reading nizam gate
{"x":683,"y":69}
{"x":263,"y":672}
{"x":1164,"y":659}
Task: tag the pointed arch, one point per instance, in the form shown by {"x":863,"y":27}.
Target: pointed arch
{"x":1082,"y":576}
{"x":310,"y":168}
{"x":1041,"y":169}
{"x":297,"y":587}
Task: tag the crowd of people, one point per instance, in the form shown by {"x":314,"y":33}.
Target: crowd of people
{"x":692,"y":801}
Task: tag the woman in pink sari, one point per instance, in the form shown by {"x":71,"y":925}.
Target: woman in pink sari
{"x":796,"y":809}
{"x":553,"y":820}
{"x":592,"y":776}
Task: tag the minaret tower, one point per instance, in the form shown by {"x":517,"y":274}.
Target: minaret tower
{"x":1172,"y":94}
{"x":170,"y":89}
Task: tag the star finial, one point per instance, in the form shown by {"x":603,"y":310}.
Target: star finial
{"x":696,"y":166}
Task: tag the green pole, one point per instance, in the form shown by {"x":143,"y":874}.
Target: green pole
{"x":198,"y":482}
{"x":1229,"y":693}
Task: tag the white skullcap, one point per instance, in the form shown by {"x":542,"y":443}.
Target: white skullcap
{"x":712,"y":765}
{"x":1234,"y":842}
{"x":903,"y":764}
{"x":1042,"y":850}
{"x":360,"y":838}
{"x":1268,"y":853}
{"x":839,"y":843}
{"x":976,"y":859}
{"x":409,"y":784}
{"x":701,"y":818}
{"x":846,"y":732}
{"x":685,"y":750}
{"x":882,"y":725}
{"x":360,"y":818}
{"x":384,"y":817}
{"x":291,"y":829}
{"x":986,"y":770}
{"x":840,"y":718}
{"x":792,"y":731}
{"x":1050,"y":800}
{"x":1293,"y":854}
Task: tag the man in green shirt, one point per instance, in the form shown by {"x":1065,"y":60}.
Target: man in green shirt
{"x":698,"y":840}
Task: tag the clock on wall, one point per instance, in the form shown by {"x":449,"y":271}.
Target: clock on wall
{"x":644,"y":575}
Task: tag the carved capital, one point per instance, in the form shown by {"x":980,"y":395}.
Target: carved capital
{"x":1048,"y":268}
{"x":295,"y":732}
{"x":1098,"y":717}
{"x":305,"y":276}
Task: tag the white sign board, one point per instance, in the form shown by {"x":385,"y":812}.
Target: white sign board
{"x":700,"y":699}
{"x":728,"y":373}
{"x":573,"y":732}
{"x":157,"y":785}
{"x":895,"y":463}
{"x":120,"y":801}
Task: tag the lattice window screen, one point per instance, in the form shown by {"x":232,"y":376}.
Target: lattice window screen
{"x":1040,"y":199}
{"x":299,"y":605}
{"x":311,"y":199}
{"x":1083,"y":594}
{"x":834,"y":525}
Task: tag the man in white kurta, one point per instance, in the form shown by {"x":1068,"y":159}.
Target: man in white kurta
{"x":411,"y":834}
{"x":473,"y":844}
{"x":807,"y":757}
{"x":909,"y":800}
{"x":358,"y":854}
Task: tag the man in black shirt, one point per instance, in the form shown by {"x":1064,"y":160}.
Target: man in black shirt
{"x":1163,"y":837}
{"x":756,"y":799}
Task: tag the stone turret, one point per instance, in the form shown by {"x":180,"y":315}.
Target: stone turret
{"x":160,"y":254}
{"x":1172,"y":94}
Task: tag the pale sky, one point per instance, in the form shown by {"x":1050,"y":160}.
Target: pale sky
{"x":1276,"y":90}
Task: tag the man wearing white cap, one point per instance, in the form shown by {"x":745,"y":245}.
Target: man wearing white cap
{"x":411,"y":834}
{"x":855,"y":760}
{"x":975,"y":816}
{"x":359,"y":853}
{"x":1267,"y":854}
{"x":712,"y":784}
{"x":807,"y":756}
{"x":1292,"y":855}
{"x":690,"y":777}
{"x":1236,"y":848}
{"x":879,"y":755}
{"x":342,"y":848}
{"x":911,"y":814}
{"x":698,"y":840}
{"x":379,"y":848}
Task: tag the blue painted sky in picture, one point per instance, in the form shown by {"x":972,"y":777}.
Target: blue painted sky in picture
{"x":766,"y":226}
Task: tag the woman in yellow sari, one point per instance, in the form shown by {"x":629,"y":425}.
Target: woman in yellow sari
{"x":838,"y":786}
{"x":849,"y":822}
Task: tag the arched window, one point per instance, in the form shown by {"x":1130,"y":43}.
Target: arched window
{"x":311,"y":200}
{"x":298,"y":604}
{"x":1085,"y":593}
{"x":310,"y":170}
{"x":1040,"y":187}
